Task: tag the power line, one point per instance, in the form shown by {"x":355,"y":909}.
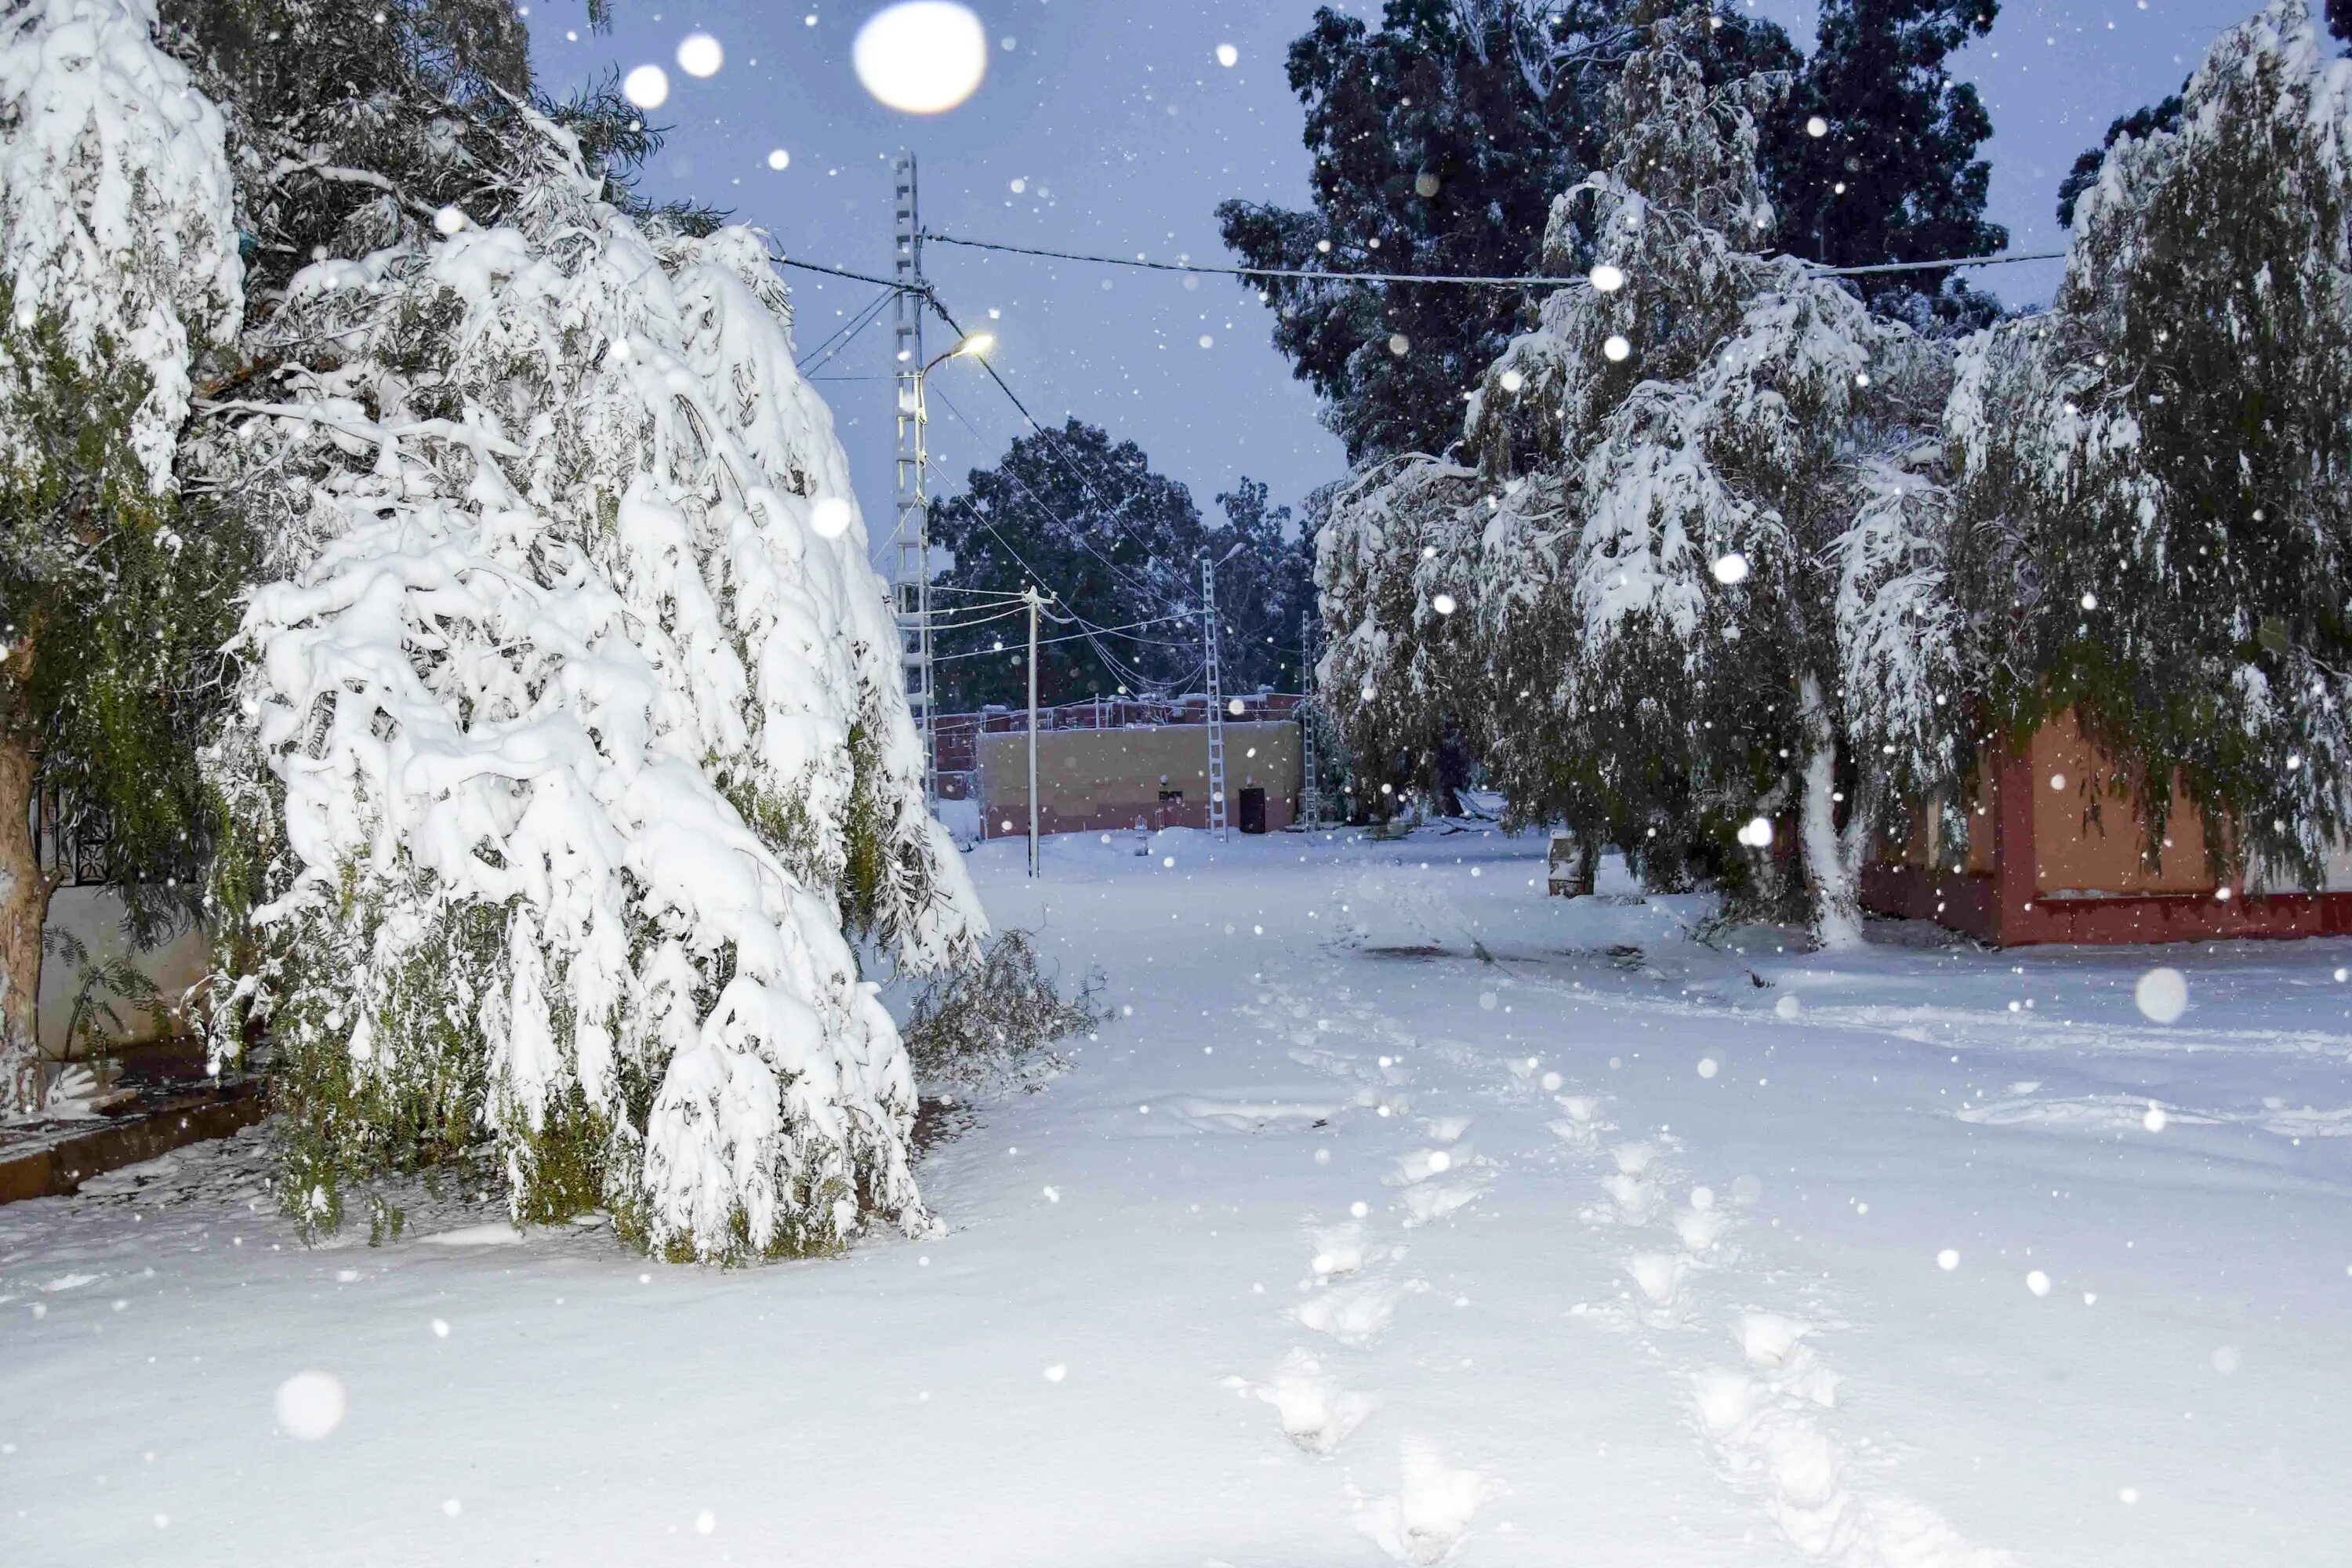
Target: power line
{"x":1074,"y":636}
{"x":782,"y":260}
{"x":1078,"y":534}
{"x":1535,"y":281}
{"x":845,"y":334}
{"x":1052,"y":451}
{"x":1935,"y":266}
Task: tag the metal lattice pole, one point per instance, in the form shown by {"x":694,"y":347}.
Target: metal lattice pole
{"x":1216,"y":697}
{"x":1310,"y":784}
{"x":912,"y":574}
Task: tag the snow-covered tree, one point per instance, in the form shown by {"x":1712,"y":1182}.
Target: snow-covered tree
{"x":572,"y":748}
{"x":1705,"y":506}
{"x":2154,"y":497}
{"x":118,"y":268}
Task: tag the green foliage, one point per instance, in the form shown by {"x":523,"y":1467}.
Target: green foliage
{"x":2139,"y":125}
{"x":1896,"y":176}
{"x":402,"y":1098}
{"x":1440,"y":137}
{"x":99,"y":985}
{"x":996,"y":1022}
{"x":2158,"y":496}
{"x":1120,"y":541}
{"x":114,"y":603}
{"x":354,"y":125}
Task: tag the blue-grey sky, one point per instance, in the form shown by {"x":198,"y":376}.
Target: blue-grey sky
{"x":1123,"y":132}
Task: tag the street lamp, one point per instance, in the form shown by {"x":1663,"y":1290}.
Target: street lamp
{"x":974,"y":345}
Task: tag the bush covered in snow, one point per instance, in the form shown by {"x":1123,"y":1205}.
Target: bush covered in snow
{"x":572,"y":740}
{"x":996,"y":1021}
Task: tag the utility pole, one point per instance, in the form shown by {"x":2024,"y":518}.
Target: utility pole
{"x":1216,"y":697}
{"x":1310,"y":784}
{"x":1031,"y":596}
{"x":911,"y":563}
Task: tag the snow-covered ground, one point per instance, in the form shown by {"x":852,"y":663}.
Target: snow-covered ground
{"x":1544,"y":1236}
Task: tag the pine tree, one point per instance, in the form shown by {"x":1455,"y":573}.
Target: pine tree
{"x":2155,"y":506}
{"x":2139,"y":125}
{"x":120,"y":275}
{"x":1439,"y":140}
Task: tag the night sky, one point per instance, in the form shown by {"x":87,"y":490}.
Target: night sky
{"x":1106,"y":126}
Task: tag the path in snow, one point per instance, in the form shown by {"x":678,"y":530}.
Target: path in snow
{"x":1347,"y":1243}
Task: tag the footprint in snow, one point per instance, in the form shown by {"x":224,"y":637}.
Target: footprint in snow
{"x":1635,"y":1158}
{"x":1633,"y":1200}
{"x":1430,"y":1201}
{"x":1699,"y":1228}
{"x":1338,"y":1249}
{"x":1430,"y":1512}
{"x":1660,"y":1276}
{"x":1316,"y":1411}
{"x":1352,"y":1314}
{"x":1422,"y":1163}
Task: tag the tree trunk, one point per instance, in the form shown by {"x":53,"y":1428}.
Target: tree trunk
{"x":1832,"y":860}
{"x":24,"y":891}
{"x":1588,"y":863}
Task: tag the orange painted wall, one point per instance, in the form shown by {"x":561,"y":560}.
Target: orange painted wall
{"x":2074,"y":853}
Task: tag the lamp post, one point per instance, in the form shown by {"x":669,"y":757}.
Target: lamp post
{"x":974,"y":345}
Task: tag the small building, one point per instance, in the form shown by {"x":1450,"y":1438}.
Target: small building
{"x":2054,"y":855}
{"x":1111,"y":764}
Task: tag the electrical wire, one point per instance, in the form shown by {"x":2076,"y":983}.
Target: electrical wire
{"x":781,"y":259}
{"x":1077,"y":534}
{"x":1052,"y":451}
{"x":1535,"y":282}
{"x":848,"y":332}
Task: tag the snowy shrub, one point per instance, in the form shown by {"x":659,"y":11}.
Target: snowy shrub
{"x":2155,"y":490}
{"x":573,"y":740}
{"x":996,"y":1022}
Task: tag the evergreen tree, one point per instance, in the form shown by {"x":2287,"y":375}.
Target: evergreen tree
{"x":121,"y":276}
{"x":2155,"y":476}
{"x":1265,"y":581}
{"x":2139,"y":125}
{"x":1697,"y":576}
{"x":1893,"y":175}
{"x":1440,"y":139}
{"x":1090,"y":520}
{"x":572,"y":746}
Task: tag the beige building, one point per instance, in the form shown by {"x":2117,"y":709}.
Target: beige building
{"x":1098,"y":780}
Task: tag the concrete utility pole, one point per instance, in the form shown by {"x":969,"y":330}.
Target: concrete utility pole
{"x":911,"y":562}
{"x":1216,"y":697}
{"x":1031,"y":597}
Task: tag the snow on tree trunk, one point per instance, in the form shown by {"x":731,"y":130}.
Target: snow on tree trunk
{"x":1832,"y":867}
{"x":573,"y":738}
